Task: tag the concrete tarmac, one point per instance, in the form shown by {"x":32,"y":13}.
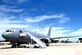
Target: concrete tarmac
{"x":53,"y":49}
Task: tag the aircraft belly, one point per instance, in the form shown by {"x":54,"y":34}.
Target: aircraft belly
{"x":24,"y":39}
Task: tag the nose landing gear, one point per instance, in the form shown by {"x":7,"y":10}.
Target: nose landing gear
{"x":14,"y":45}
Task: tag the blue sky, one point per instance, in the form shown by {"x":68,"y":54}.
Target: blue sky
{"x":64,"y":16}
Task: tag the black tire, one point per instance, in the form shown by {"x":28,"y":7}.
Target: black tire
{"x":47,"y":44}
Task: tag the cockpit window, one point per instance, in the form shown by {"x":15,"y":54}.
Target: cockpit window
{"x":8,"y":31}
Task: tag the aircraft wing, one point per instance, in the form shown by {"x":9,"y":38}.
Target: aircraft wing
{"x":37,"y":40}
{"x":65,"y":37}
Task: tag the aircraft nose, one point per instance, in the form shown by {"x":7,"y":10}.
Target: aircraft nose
{"x":5,"y":35}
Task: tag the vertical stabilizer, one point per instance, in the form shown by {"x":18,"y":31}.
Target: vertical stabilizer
{"x":49,"y":32}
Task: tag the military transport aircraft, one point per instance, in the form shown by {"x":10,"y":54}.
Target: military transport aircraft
{"x":17,"y":37}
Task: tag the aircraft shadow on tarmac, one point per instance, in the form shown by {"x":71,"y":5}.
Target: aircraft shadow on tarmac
{"x":6,"y":48}
{"x":41,"y":48}
{"x":21,"y":47}
{"x":9,"y":48}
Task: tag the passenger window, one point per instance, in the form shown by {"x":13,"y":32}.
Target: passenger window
{"x":7,"y":31}
{"x":20,"y":31}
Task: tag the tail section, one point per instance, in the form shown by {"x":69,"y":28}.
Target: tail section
{"x":49,"y":32}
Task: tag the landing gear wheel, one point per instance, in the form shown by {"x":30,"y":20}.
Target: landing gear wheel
{"x":13,"y":46}
{"x":18,"y":45}
{"x":47,"y":44}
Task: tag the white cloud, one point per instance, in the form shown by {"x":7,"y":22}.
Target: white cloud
{"x":6,"y":23}
{"x":21,"y":1}
{"x":55,"y":31}
{"x":14,"y":26}
{"x":77,"y":32}
{"x":62,"y":18}
{"x":5,"y":8}
{"x":14,"y":2}
{"x":16,"y":10}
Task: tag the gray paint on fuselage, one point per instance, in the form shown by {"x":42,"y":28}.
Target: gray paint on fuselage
{"x":15,"y":36}
{"x":38,"y":35}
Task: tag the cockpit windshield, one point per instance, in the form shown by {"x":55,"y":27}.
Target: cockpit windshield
{"x":8,"y":31}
